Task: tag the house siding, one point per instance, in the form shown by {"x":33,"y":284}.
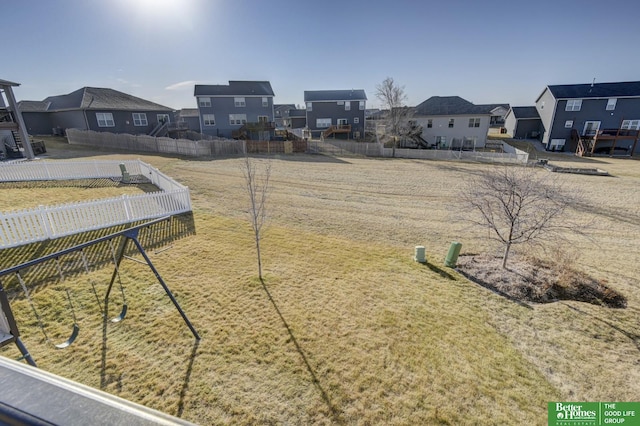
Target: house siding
{"x":546,"y":105}
{"x":592,"y":110}
{"x":222,"y":106}
{"x":37,"y":123}
{"x":331,"y":109}
{"x":123,"y":121}
{"x":460,"y":130}
{"x":68,"y":120}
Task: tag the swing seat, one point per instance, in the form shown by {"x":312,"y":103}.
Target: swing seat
{"x":71,"y":339}
{"x":123,"y":314}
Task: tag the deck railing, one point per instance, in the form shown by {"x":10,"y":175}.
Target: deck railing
{"x":48,"y":222}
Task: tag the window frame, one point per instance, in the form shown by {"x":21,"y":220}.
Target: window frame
{"x":265,"y":102}
{"x":611,"y":104}
{"x":568,"y":124}
{"x":429,"y":123}
{"x":347,"y":105}
{"x":573,"y":105}
{"x":237,"y":119}
{"x":239,"y":102}
{"x":107,"y":117}
{"x":356,"y":120}
{"x":208,"y":120}
{"x":204,"y":102}
{"x":630,"y":124}
{"x":309,"y":106}
{"x":361,"y":105}
{"x":474,"y":122}
{"x":452,"y":122}
{"x":324,"y":120}
{"x":141,"y":120}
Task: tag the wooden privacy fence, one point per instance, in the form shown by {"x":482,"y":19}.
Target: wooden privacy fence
{"x":144,"y":143}
{"x":46,"y":222}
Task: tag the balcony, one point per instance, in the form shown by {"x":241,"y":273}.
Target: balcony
{"x":337,"y":129}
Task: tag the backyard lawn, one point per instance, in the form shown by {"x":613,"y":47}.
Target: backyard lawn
{"x":345,"y":328}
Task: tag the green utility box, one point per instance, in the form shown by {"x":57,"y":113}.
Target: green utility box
{"x":452,"y":256}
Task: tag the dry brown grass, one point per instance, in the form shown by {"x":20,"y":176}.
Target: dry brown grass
{"x":347,"y":328}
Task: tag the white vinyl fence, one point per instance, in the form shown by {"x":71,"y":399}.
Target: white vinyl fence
{"x":46,"y":222}
{"x":144,"y":143}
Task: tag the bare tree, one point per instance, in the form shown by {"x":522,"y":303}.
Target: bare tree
{"x":257,"y":185}
{"x":518,"y":205}
{"x":393,"y":98}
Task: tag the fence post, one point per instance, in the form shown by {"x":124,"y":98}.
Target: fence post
{"x":127,"y":208}
{"x":44,"y":218}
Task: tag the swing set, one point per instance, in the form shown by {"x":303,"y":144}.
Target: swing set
{"x":9,"y":332}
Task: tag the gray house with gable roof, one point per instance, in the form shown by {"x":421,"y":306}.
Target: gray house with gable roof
{"x":572,"y":113}
{"x":94,"y":108}
{"x":240,"y":109}
{"x":523,"y":123}
{"x":336,"y":113}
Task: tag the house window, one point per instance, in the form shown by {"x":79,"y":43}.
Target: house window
{"x":140,"y":119}
{"x":611,"y":104}
{"x":441,"y":141}
{"x":237,"y":119}
{"x":573,"y":105}
{"x":631,"y":125}
{"x":361,"y":107}
{"x":451,"y":121}
{"x":557,"y":144}
{"x":209,"y":119}
{"x":340,"y":103}
{"x":263,"y":119}
{"x":204,"y":102}
{"x":265,"y":102}
{"x":309,"y":106}
{"x":163,"y":118}
{"x":568,"y":124}
{"x":323,"y":123}
{"x":429,"y":123}
{"x":356,"y":120}
{"x":342,"y":122}
{"x":356,"y":135}
{"x":239,"y":102}
{"x":591,"y":128}
{"x":347,"y":106}
{"x":473,"y":122}
{"x":105,"y":119}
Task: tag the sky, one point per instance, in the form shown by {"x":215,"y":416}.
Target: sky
{"x":484,"y":51}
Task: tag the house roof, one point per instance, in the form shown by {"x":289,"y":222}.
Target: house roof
{"x":334,"y":95}
{"x":8,"y":83}
{"x":596,"y":90}
{"x":33,"y":106}
{"x":297,"y":113}
{"x":525,"y":112}
{"x":188,"y":112}
{"x":490,"y":108}
{"x":97,"y":98}
{"x":235,"y":88}
{"x":450,"y":105}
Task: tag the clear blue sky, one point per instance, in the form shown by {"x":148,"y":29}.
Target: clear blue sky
{"x":484,"y":51}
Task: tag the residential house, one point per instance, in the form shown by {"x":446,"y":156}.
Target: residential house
{"x":281,"y":113}
{"x":240,"y":109}
{"x":98,"y":109}
{"x":296,"y":119}
{"x":336,"y":113}
{"x":452,"y":122}
{"x":496,"y":121}
{"x":12,"y":127}
{"x":576,"y":114}
{"x":188,"y":118}
{"x":523,"y":123}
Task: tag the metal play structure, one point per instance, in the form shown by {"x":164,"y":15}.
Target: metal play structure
{"x":9,"y":332}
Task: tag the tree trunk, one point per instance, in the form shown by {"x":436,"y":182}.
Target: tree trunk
{"x":506,"y":256}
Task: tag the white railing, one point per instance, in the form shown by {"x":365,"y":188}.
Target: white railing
{"x":46,"y":222}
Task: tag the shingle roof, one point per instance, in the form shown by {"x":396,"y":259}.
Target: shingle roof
{"x":525,"y":112}
{"x":597,"y":90}
{"x":449,"y":105}
{"x":97,"y":98}
{"x":235,"y":88}
{"x":297,"y":113}
{"x":335,"y":95}
{"x":8,"y":83}
{"x":188,"y":112}
{"x":33,"y":106}
{"x":491,"y":107}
